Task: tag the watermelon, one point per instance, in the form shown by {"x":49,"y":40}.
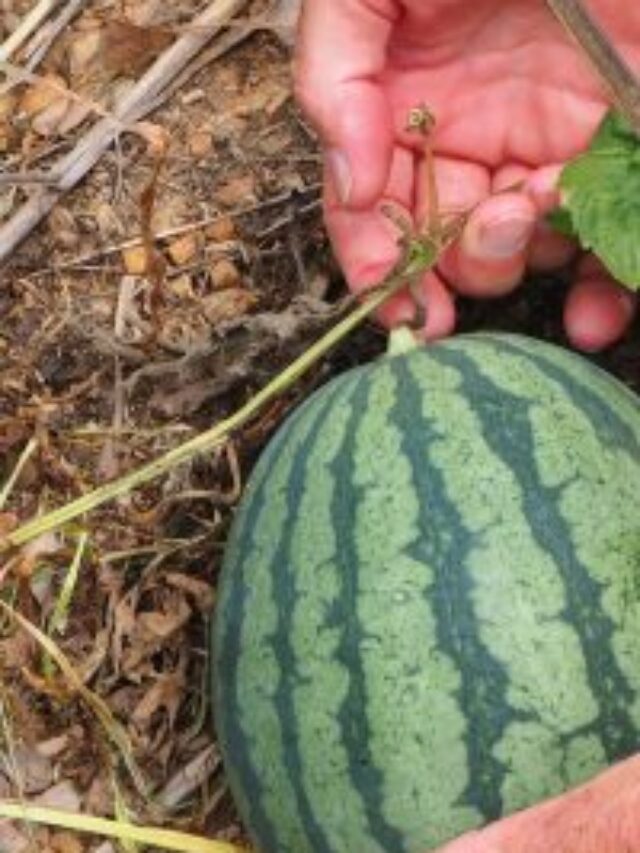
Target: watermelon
{"x":429,"y":610}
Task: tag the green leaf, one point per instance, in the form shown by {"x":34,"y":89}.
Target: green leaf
{"x":560,"y":220}
{"x":600,"y":192}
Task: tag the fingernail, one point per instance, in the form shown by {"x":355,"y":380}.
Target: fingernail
{"x":341,"y":172}
{"x":505,"y":238}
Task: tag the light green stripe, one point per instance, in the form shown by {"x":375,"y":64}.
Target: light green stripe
{"x":520,"y":611}
{"x":612,"y":393}
{"x":598,"y":491}
{"x":323,"y":679}
{"x":258,"y":668}
{"x":415,"y":721}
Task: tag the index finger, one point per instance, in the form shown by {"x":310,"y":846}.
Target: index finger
{"x":341,"y":52}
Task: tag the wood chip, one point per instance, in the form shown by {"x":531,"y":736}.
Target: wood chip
{"x":136,"y":260}
{"x":224,"y":273}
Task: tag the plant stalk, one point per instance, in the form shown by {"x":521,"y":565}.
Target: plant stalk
{"x":217,"y":435}
{"x":619,"y":78}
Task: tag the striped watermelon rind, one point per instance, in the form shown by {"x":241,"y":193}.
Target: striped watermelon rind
{"x":429,"y":609}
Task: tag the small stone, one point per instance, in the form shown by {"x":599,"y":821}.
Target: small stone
{"x":184,"y":248}
{"x":181,"y":287}
{"x":48,"y":90}
{"x":221,"y":230}
{"x":64,"y":227}
{"x":237,"y":191}
{"x":201,"y":143}
{"x":65,"y":842}
{"x":224,"y":273}
{"x":136,"y":260}
{"x":227,"y":304}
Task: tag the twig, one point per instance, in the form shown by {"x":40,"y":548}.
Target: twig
{"x":37,"y":52}
{"x":28,"y":25}
{"x":223,"y":45}
{"x":188,"y":227}
{"x":10,"y":179}
{"x":132,"y":107}
{"x":26,"y":454}
{"x":622,"y":83}
{"x":160,"y":839}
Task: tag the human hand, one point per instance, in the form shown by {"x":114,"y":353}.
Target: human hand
{"x":602,"y":816}
{"x":513,"y":99}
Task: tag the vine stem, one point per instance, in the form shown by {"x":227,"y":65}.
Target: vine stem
{"x":217,"y":435}
{"x":615,"y":73}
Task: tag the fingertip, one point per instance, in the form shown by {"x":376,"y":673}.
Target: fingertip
{"x":490,"y":258}
{"x":436,"y":301}
{"x":400,"y":310}
{"x":359,"y":147}
{"x":512,"y":176}
{"x":340,"y":54}
{"x":549,"y":250}
{"x":440,"y":309}
{"x":366,"y":242}
{"x":542,"y":186}
{"x":597,"y":313}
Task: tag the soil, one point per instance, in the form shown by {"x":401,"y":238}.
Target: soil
{"x":112,"y":352}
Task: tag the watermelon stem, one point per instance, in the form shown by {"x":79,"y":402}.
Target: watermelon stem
{"x":419,"y":256}
{"x":401,"y":340}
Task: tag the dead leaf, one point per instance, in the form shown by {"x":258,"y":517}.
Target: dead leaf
{"x":165,"y":694}
{"x":128,"y":49}
{"x":163,"y":625}
{"x":92,"y":662}
{"x":27,"y":768}
{"x":61,"y":796}
{"x":50,"y":89}
{"x":16,"y":651}
{"x":8,"y":523}
{"x":227,"y":304}
{"x":11,"y":840}
{"x":52,"y":111}
{"x":189,"y":778}
{"x":83,"y":53}
{"x":35,"y":552}
{"x":201,"y":592}
{"x":53,"y":747}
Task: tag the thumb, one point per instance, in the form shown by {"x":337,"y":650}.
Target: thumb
{"x":341,"y":53}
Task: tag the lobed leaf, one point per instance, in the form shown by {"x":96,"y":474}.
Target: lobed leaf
{"x":600,"y":192}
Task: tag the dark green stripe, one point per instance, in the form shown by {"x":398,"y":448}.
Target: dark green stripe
{"x":285,"y":598}
{"x":445,"y":544}
{"x":228,"y":649}
{"x":355,"y":730}
{"x":230,"y":625}
{"x":612,"y":430}
{"x":506,"y":428}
